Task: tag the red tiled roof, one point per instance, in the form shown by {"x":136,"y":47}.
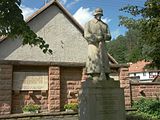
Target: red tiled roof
{"x":138,"y":66}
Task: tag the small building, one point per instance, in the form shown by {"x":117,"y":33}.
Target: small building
{"x":138,"y":72}
{"x":27,"y":75}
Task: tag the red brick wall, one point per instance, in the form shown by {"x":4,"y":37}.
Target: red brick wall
{"x":5,"y":89}
{"x":48,"y":100}
{"x":54,"y":88}
{"x":64,"y":85}
{"x":134,"y":91}
{"x":51,"y":100}
{"x":22,"y":98}
{"x":70,"y":84}
{"x":125,"y":84}
{"x":148,"y":90}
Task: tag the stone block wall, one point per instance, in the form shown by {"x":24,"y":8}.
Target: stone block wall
{"x":21,"y":98}
{"x":5,"y":89}
{"x":148,"y":90}
{"x":42,"y":116}
{"x":134,"y":91}
{"x":125,"y":84}
{"x":54,"y":88}
{"x":64,"y":85}
{"x":71,"y":78}
{"x":50,"y":100}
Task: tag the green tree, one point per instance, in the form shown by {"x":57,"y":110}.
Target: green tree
{"x":118,"y":48}
{"x":12,"y":24}
{"x":126,"y":48}
{"x":148,"y":25}
{"x":134,"y":46}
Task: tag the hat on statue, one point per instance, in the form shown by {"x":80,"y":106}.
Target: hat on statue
{"x":98,"y":11}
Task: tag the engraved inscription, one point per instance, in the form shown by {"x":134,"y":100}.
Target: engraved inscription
{"x":30,"y":81}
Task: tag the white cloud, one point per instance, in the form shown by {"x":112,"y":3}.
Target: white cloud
{"x":72,"y":3}
{"x":115,"y":33}
{"x":26,"y":11}
{"x":82,"y":15}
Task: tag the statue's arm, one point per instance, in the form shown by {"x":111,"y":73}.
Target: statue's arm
{"x":88,"y":35}
{"x":107,"y":35}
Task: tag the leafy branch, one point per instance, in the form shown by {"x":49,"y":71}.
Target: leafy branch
{"x":148,"y":24}
{"x":13,"y":25}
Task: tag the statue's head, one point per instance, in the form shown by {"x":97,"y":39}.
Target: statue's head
{"x":98,"y":13}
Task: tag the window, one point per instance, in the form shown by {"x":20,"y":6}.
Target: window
{"x":144,"y":74}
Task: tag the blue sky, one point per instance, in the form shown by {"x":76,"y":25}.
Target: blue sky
{"x":82,"y":10}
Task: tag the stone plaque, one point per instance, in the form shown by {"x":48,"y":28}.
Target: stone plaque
{"x":101,"y":101}
{"x":30,"y":81}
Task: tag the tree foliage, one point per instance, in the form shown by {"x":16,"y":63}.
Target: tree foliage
{"x":117,"y":48}
{"x":13,"y":25}
{"x":126,"y":48}
{"x":148,"y":25}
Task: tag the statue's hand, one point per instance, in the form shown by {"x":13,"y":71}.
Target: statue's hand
{"x":91,"y":38}
{"x":100,"y":38}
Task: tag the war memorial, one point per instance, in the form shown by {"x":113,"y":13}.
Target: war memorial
{"x":101,"y":98}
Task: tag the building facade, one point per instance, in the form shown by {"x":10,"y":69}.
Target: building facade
{"x":138,"y":72}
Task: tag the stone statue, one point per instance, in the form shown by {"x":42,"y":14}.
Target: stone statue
{"x":97,"y":33}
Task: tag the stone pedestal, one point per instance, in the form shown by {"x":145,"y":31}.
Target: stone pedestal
{"x":102,"y":100}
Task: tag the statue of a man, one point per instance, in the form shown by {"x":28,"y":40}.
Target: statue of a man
{"x":97,"y":33}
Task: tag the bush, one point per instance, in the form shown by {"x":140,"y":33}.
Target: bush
{"x":31,"y":108}
{"x":140,"y":116}
{"x":149,"y":107}
{"x":71,"y":106}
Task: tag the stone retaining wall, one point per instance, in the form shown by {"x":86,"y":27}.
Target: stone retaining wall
{"x":51,"y":116}
{"x":148,"y":90}
{"x":42,"y":116}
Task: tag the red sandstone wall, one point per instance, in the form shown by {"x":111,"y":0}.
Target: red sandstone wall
{"x":70,"y":85}
{"x":51,"y":100}
{"x":148,"y":90}
{"x":54,"y":88}
{"x":25,"y":97}
{"x":5,"y":89}
{"x":61,"y":82}
{"x":134,"y":91}
{"x":125,"y":84}
{"x":21,"y":97}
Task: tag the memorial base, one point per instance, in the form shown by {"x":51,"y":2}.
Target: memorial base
{"x":102,"y":100}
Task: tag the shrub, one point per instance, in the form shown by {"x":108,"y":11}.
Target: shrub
{"x":71,"y":106}
{"x":31,"y":108}
{"x":148,"y":107}
{"x":140,"y":116}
